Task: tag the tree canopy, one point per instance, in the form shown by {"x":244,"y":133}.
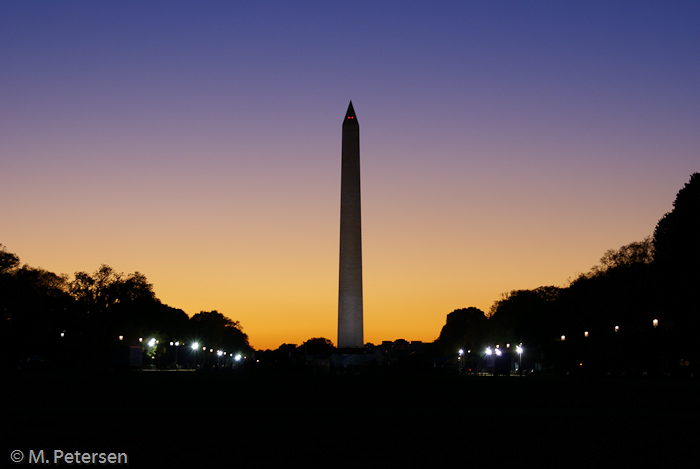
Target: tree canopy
{"x":78,"y":322}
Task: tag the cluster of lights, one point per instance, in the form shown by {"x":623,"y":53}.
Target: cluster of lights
{"x":654,"y":322}
{"x":497,"y":351}
{"x":152,"y":342}
{"x":519,"y":349}
{"x":219,"y":353}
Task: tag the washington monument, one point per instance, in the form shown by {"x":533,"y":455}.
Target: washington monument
{"x":350,"y":333}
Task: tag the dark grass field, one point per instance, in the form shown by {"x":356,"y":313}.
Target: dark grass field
{"x":209,"y":419}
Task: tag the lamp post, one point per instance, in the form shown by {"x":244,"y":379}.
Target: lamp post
{"x":496,"y":352}
{"x":459,"y":359}
{"x":176,"y":345}
{"x":488,"y":352}
{"x":195,"y":348}
{"x":519,"y":349}
{"x":495,"y":360}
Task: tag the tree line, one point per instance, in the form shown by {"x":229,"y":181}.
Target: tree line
{"x":52,"y":320}
{"x":637,"y":311}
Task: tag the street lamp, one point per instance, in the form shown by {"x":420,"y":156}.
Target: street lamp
{"x":195,"y":347}
{"x":519,"y":349}
{"x":497,"y":352}
{"x":176,"y":344}
{"x":459,"y":359}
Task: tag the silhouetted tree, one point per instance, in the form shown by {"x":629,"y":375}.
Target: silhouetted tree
{"x":677,"y":266}
{"x":464,"y":329}
{"x":35,"y":306}
{"x":529,"y":317}
{"x":8,"y":260}
{"x":677,"y":234}
{"x":630,"y":255}
{"x":219,"y":332}
{"x":317,"y":346}
{"x":620,"y":290}
{"x":80,"y":321}
{"x":526,"y":316}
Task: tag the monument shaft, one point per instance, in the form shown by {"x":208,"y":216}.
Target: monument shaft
{"x":350,"y":323}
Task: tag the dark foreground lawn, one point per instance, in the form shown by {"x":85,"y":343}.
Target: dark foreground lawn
{"x":209,"y":419}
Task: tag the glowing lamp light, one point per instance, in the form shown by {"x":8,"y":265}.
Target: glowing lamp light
{"x":121,"y":337}
{"x":195,"y":346}
{"x":585,"y":334}
{"x":238,"y":357}
{"x":152,"y":343}
{"x":563,"y":338}
{"x":655,"y":322}
{"x":617,"y":328}
{"x":488,"y":351}
{"x":519,"y":349}
{"x":498,"y":352}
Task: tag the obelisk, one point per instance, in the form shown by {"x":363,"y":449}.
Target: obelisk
{"x":350,"y":329}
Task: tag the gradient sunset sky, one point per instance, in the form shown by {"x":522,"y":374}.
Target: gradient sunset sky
{"x":504,"y":145}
